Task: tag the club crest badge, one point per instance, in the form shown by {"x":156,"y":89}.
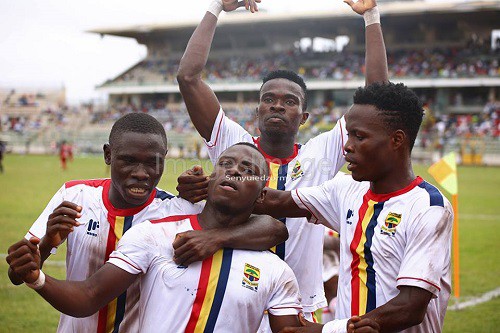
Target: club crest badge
{"x":251,"y":276}
{"x":391,"y":222}
{"x":297,"y":171}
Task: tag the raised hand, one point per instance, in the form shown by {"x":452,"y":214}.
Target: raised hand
{"x":192,"y":184}
{"x":24,"y":259}
{"x":230,"y":5}
{"x":361,"y":6}
{"x":61,"y":222}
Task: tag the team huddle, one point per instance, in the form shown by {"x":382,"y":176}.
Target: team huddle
{"x":241,"y":250}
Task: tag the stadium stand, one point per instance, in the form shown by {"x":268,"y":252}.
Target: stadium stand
{"x":446,"y":55}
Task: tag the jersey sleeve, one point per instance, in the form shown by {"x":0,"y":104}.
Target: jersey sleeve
{"x":321,"y":202}
{"x":331,"y":144}
{"x":179,"y":206}
{"x":286,"y":298}
{"x":427,"y":254}
{"x":225,"y":134}
{"x":135,"y":250}
{"x":39,"y":227}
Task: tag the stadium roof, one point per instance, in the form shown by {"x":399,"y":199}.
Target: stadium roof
{"x":174,"y":28}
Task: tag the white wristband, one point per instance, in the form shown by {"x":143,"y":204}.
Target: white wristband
{"x":215,"y":7}
{"x":335,"y":326}
{"x":39,"y":283}
{"x":371,"y":16}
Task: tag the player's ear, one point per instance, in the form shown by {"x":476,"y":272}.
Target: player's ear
{"x":107,"y":153}
{"x":262,"y":196}
{"x":305,"y":116}
{"x":398,"y":139}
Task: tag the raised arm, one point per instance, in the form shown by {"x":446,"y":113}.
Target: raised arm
{"x":260,"y":233}
{"x":201,"y":102}
{"x":74,"y":298}
{"x":375,"y":53}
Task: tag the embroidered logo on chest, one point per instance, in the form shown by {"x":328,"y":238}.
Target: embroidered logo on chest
{"x":251,"y":276}
{"x":391,"y":222}
{"x":297,"y":171}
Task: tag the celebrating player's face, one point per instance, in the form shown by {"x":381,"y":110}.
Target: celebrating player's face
{"x":137,"y":162}
{"x":368,"y":149}
{"x":280,"y":107}
{"x":237,"y":180}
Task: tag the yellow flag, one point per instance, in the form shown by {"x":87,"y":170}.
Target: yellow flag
{"x":444,"y":172}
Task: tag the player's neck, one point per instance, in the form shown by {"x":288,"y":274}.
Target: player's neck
{"x":279,"y":146}
{"x":214,"y":218}
{"x":393,"y":181}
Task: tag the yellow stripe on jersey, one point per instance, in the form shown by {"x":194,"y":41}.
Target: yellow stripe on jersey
{"x":363,"y":265}
{"x":210,"y":294}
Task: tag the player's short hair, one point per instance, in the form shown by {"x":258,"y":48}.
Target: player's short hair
{"x":288,"y":75}
{"x":137,"y":122}
{"x":266,"y":167}
{"x":399,"y":106}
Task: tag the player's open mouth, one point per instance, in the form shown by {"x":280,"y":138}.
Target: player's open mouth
{"x":138,"y":191}
{"x":228,"y":186}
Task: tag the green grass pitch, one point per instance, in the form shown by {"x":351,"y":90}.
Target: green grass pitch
{"x":30,"y":181}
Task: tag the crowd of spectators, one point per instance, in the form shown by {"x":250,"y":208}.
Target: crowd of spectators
{"x":346,"y":65}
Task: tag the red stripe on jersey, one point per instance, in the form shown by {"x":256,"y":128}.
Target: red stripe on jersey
{"x":88,"y":182}
{"x":384,"y":197}
{"x":412,"y":278}
{"x":356,"y":259}
{"x":125,"y":261}
{"x":310,"y":210}
{"x":200,"y":295}
{"x":123,"y":212}
{"x":217,"y":135}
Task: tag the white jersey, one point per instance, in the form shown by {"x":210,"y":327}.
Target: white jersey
{"x":89,"y":245}
{"x":390,"y":240}
{"x":311,"y":164}
{"x":227,"y":292}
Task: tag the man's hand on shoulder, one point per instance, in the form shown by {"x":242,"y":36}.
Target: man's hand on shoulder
{"x":196,"y":245}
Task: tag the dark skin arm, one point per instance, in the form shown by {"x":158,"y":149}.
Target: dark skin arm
{"x":74,"y":298}
{"x":375,"y":53}
{"x":260,"y":233}
{"x":60,"y":223}
{"x":278,"y":323}
{"x":403,"y":311}
{"x":201,"y":102}
{"x":280,"y":203}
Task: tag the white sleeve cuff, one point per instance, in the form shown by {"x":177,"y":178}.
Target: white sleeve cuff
{"x":420,"y":283}
{"x":121,"y":261}
{"x":335,"y":326}
{"x":300,"y":203}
